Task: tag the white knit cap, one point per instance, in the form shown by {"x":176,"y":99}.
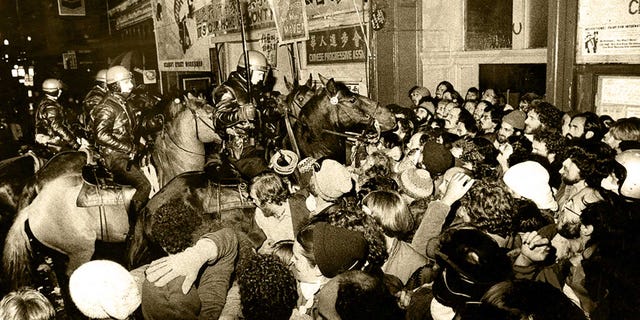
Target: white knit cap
{"x":104,"y":289}
{"x":531,"y":180}
{"x":332,"y":180}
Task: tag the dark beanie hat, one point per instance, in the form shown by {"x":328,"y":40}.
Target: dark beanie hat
{"x":168,"y":302}
{"x":436,"y":158}
{"x":338,"y":249}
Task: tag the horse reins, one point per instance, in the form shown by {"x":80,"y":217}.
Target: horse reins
{"x":196,"y":117}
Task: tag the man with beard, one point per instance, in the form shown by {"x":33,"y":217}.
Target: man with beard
{"x":587,"y":126}
{"x":586,"y":165}
{"x":542,"y":116}
{"x":512,"y":125}
{"x":425,"y":111}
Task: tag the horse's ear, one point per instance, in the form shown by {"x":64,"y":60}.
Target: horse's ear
{"x":288,"y":84}
{"x":309,"y":81}
{"x":323,"y":79}
{"x":331,"y":87}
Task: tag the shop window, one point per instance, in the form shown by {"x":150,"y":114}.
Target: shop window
{"x":505,"y":24}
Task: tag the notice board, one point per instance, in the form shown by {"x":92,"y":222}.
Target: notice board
{"x":608,"y":31}
{"x":618,"y":96}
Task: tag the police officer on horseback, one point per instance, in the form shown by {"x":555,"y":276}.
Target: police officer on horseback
{"x":113,"y":130}
{"x":52,"y":129}
{"x":236,"y":113}
{"x":95,"y":95}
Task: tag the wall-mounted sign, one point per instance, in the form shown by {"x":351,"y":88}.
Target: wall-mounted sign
{"x":378,"y":19}
{"x":269,"y":46}
{"x":336,"y":46}
{"x":291,"y":20}
{"x":610,"y":37}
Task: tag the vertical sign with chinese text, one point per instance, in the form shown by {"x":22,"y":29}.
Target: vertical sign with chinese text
{"x":336,"y":46}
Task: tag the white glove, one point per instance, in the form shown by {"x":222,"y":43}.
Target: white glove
{"x":186,"y":263}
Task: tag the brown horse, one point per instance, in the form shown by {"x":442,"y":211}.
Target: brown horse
{"x":337,"y":109}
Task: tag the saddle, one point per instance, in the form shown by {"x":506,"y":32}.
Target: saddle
{"x":98,"y":188}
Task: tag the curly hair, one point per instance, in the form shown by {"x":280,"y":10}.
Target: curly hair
{"x":594,"y":159}
{"x":347,"y":214}
{"x":267,"y":288}
{"x":382,"y":165}
{"x":554,"y":141}
{"x":550,"y":116}
{"x":174,"y":226}
{"x":490,"y":206}
{"x":269,"y":187}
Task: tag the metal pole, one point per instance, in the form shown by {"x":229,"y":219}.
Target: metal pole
{"x":244,"y":49}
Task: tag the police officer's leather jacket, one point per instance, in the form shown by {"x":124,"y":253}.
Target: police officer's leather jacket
{"x":95,"y":95}
{"x":50,"y":121}
{"x":228,"y":97}
{"x":113,"y":125}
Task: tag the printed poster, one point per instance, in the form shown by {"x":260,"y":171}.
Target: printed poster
{"x":291,"y":20}
{"x":610,"y":37}
{"x":320,"y":8}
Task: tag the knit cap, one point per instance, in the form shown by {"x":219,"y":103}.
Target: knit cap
{"x":103,"y":289}
{"x":284,"y":162}
{"x":338,"y":249}
{"x":436,"y":158}
{"x":515,"y":118}
{"x":531,"y":180}
{"x":424,"y":92}
{"x":332,"y":180}
{"x":416,"y":183}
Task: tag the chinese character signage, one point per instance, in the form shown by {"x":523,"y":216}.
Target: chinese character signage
{"x":610,"y":37}
{"x":291,"y":20}
{"x":71,"y":7}
{"x":336,"y":45}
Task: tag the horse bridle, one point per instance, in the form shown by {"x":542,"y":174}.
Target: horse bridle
{"x":334,"y":100}
{"x":196,"y":119}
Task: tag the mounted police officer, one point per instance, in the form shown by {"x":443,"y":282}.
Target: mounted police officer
{"x":52,"y":129}
{"x":113,"y":130}
{"x":95,"y":95}
{"x":236,"y":113}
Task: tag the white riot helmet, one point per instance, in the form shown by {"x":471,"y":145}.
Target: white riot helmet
{"x":51,"y":85}
{"x":102,"y":75}
{"x":257,"y":61}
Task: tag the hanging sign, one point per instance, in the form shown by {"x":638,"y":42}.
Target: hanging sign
{"x":378,"y":19}
{"x":336,"y":46}
{"x":290,"y":17}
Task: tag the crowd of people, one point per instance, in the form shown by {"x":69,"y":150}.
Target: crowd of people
{"x":470,"y":209}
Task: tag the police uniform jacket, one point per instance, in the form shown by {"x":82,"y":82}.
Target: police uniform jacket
{"x":50,"y":121}
{"x":113,"y":125}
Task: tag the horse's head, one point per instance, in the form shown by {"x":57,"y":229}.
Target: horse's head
{"x":298,"y":95}
{"x":351,"y":109}
{"x":203,"y":114}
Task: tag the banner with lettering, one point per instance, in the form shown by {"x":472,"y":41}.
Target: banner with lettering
{"x":291,"y":20}
{"x":610,"y":37}
{"x":336,"y":45}
{"x":217,"y":17}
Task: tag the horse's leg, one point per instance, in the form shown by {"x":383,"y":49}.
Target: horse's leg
{"x":137,"y":242}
